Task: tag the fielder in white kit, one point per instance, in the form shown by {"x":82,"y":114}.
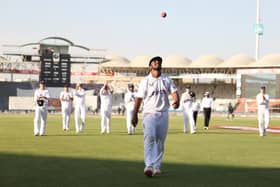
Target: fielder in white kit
{"x":106,"y":98}
{"x":263,"y":111}
{"x":80,"y":108}
{"x":186,"y":104}
{"x":129,"y":100}
{"x":41,"y":97}
{"x":154,"y":90}
{"x":66,"y":98}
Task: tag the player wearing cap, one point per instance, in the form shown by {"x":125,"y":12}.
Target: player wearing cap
{"x":186,"y":105}
{"x":66,"y":98}
{"x":106,"y":97}
{"x":129,"y":100}
{"x":263,"y":110}
{"x":80,"y":108}
{"x":41,"y":97}
{"x":153,"y":91}
{"x":207,"y":105}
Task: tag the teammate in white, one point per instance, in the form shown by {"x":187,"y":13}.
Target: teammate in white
{"x":186,"y":105}
{"x":154,"y":90}
{"x":80,"y":108}
{"x":106,"y":107}
{"x":263,"y":111}
{"x":129,"y":100}
{"x":41,"y":97}
{"x":66,"y":98}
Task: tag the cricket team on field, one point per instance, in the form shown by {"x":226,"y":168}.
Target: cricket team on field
{"x":153,"y":95}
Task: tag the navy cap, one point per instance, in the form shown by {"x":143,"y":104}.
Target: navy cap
{"x":263,"y":87}
{"x":42,"y":82}
{"x":187,"y":86}
{"x":156,"y":58}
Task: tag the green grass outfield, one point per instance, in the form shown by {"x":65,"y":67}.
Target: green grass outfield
{"x":209,"y":158}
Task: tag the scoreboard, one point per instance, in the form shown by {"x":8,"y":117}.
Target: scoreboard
{"x":55,"y":69}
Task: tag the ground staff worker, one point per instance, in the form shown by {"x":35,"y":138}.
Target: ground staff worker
{"x":80,"y":108}
{"x":66,"y":98}
{"x":106,"y":96}
{"x":41,"y":97}
{"x":154,"y":90}
{"x":129,"y":100}
{"x":207,"y":105}
{"x":263,"y":111}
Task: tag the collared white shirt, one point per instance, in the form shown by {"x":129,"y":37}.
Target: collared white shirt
{"x":80,"y":97}
{"x":207,"y":102}
{"x":129,"y":99}
{"x":262,"y":100}
{"x":196,"y":106}
{"x":106,"y":99}
{"x":186,"y":101}
{"x":42,"y":93}
{"x":154,"y":92}
{"x":66,"y":96}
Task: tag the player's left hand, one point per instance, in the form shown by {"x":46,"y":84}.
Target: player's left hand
{"x":134,"y":120}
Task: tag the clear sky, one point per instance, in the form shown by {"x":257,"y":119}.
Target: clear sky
{"x":129,"y":28}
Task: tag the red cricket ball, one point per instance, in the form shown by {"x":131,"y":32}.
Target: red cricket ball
{"x":163,"y":14}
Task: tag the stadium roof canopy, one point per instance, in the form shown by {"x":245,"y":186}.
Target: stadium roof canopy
{"x":176,"y":62}
{"x":116,"y":61}
{"x":237,"y":61}
{"x":141,"y":61}
{"x":272,"y":60}
{"x":206,"y":62}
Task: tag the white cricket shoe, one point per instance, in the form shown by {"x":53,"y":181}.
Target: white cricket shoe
{"x":156,"y":172}
{"x":148,"y":171}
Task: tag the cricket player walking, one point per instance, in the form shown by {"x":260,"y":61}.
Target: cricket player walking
{"x":129,"y":100}
{"x":41,"y":97}
{"x":80,"y":108}
{"x":186,"y":105}
{"x":263,"y":111}
{"x":153,"y":91}
{"x":106,"y":96}
{"x":66,"y":98}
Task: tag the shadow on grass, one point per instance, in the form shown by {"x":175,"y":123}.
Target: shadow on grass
{"x":25,"y":170}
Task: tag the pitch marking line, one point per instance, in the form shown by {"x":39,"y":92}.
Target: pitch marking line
{"x":275,"y":130}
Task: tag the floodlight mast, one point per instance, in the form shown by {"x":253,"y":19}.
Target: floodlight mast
{"x":258,"y":21}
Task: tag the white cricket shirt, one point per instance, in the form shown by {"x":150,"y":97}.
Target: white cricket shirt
{"x":129,"y":99}
{"x":106,"y":99}
{"x":262,"y":101}
{"x":154,"y":92}
{"x":207,"y":102}
{"x":42,"y":93}
{"x":186,"y":101}
{"x":80,"y":97}
{"x":67,"y":98}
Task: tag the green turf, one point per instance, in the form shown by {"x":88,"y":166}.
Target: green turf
{"x":209,"y":158}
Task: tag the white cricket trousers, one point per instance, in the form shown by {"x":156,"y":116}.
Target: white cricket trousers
{"x":130,"y":127}
{"x":40,"y":120}
{"x":80,"y":118}
{"x":155,"y":126}
{"x":105,"y":121}
{"x":263,"y":119}
{"x":188,"y":120}
{"x":66,"y":112}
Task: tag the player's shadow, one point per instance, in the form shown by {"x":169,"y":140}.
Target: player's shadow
{"x":30,"y":170}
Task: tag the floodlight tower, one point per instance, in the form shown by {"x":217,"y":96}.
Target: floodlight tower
{"x":258,"y":30}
